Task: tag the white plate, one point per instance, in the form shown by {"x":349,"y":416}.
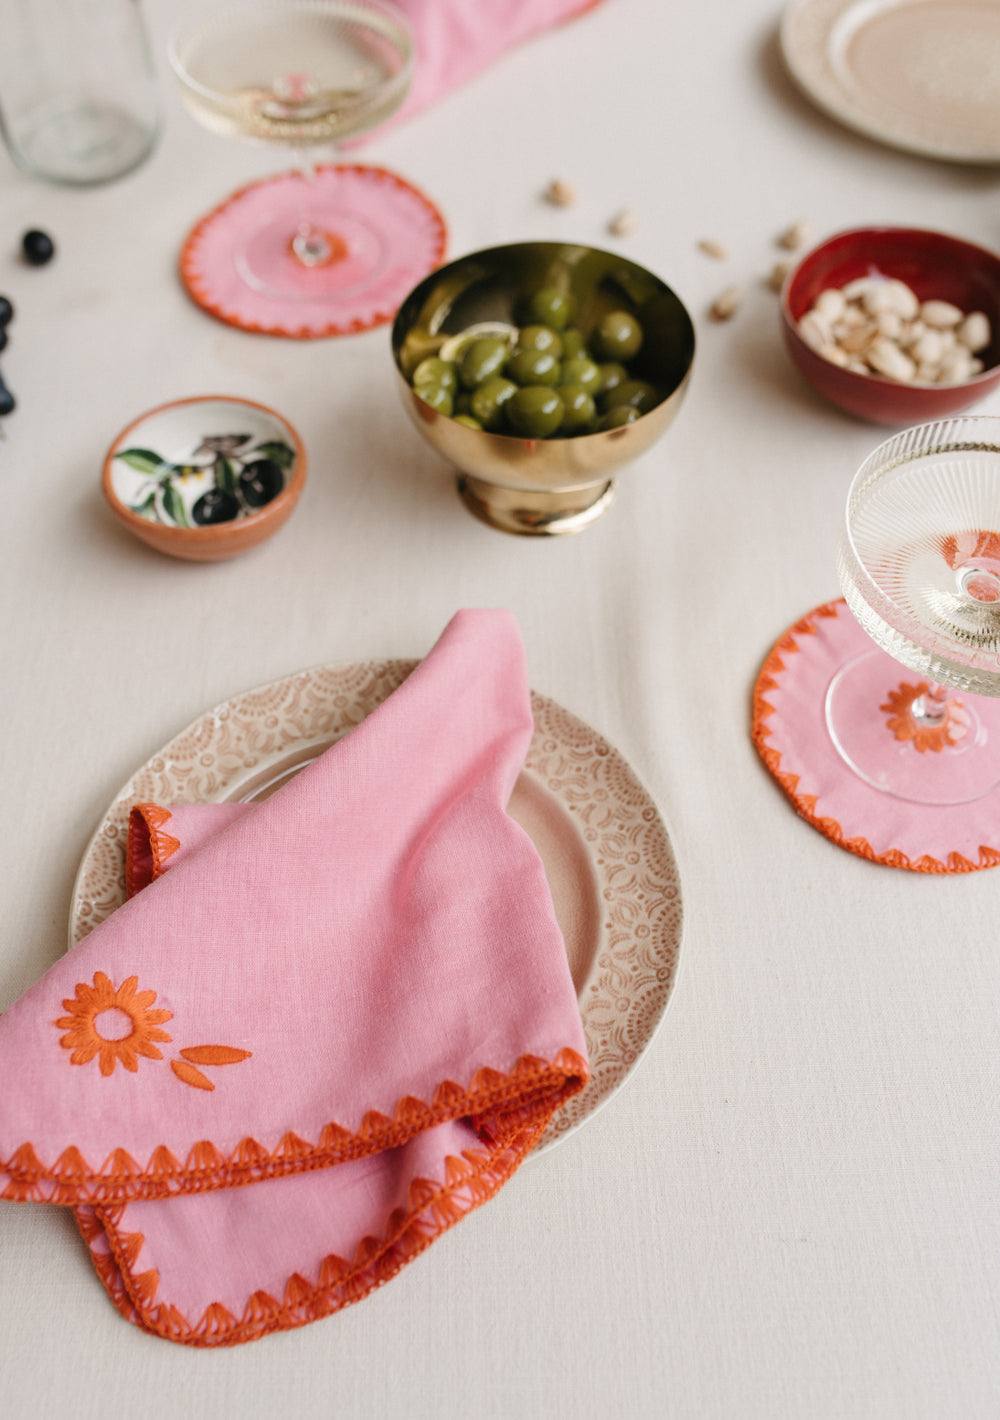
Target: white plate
{"x":922,"y":75}
{"x":606,"y":851}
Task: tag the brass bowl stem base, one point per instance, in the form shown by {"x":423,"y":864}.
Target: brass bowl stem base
{"x":551,"y":513}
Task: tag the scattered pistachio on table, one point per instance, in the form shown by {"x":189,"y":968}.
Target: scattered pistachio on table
{"x":624,"y":223}
{"x":779,"y":273}
{"x":710,"y":247}
{"x":560,"y":193}
{"x":877,"y":325}
{"x":725,"y":304}
{"x":793,"y":238}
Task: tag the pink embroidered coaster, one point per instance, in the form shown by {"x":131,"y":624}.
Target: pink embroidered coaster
{"x":837,"y":723}
{"x":383,"y":237}
{"x":330,"y":1025}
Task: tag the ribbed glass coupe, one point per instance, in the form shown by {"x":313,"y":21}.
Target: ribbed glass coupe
{"x":919,"y":564}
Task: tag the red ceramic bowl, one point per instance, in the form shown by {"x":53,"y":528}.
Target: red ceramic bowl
{"x":935,"y":267}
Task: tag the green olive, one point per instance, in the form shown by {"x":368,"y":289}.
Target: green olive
{"x":467,"y":421}
{"x":618,"y":336}
{"x":637,"y":393}
{"x":581,"y":371}
{"x":534,"y":367}
{"x":548,"y":307}
{"x":612,"y":375}
{"x":574,"y":345}
{"x":437,"y":397}
{"x":483,"y":358}
{"x":540,"y":337}
{"x":435,"y":371}
{"x":621,"y":414}
{"x":489,"y":399}
{"x":535,"y":411}
{"x":580,"y":413}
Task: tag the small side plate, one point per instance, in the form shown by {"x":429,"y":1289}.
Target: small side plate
{"x":920,"y":75}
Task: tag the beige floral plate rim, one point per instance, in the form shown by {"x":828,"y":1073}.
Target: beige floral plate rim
{"x":604,"y":844}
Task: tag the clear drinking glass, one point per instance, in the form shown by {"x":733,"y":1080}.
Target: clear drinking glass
{"x":919,"y":565}
{"x":78,"y":96}
{"x":299,"y":75}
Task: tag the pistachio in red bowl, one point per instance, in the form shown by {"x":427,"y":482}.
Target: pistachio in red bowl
{"x":876,"y":371}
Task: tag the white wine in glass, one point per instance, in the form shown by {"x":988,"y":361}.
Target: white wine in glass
{"x":298,"y":74}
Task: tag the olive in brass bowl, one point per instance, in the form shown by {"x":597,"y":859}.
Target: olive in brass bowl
{"x":560,"y":484}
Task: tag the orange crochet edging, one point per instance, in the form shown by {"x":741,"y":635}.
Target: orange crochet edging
{"x":805,"y":804}
{"x":490,"y":1101}
{"x":201,"y":295}
{"x":148,"y":846}
{"x":432,"y":1208}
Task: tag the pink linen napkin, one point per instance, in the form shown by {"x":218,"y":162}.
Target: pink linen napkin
{"x":330,"y":1025}
{"x":457,"y":39}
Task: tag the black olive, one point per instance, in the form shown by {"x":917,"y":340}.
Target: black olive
{"x":6,"y":311}
{"x":215,"y":506}
{"x":261,"y":481}
{"x":37,"y":247}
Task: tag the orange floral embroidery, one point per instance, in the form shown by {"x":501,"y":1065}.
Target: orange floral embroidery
{"x":87,"y":1007}
{"x":952,"y":727}
{"x":131,"y":1007}
{"x":195,"y":1055}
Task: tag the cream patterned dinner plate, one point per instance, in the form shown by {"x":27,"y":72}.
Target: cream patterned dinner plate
{"x":922,"y":75}
{"x":607,"y":853}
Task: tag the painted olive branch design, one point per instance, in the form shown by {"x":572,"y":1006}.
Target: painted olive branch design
{"x":245,"y":477}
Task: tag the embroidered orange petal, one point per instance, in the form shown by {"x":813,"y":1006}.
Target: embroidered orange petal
{"x":215,"y":1054}
{"x":190,"y":1075}
{"x":148,"y":1049}
{"x":83,"y":1053}
{"x":79,"y":1007}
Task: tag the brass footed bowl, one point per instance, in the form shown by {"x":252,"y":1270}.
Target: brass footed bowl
{"x":543,"y":487}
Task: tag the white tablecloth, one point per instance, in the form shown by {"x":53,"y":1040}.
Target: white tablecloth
{"x":792,"y":1209}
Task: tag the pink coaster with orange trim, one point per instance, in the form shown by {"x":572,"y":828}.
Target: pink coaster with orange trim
{"x":889,"y":790}
{"x":383,"y":236}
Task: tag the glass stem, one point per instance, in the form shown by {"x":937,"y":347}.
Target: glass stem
{"x":931,"y":707}
{"x":310,"y":244}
